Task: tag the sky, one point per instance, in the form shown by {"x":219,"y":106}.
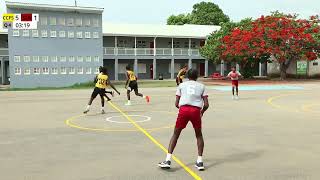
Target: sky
{"x":157,"y":11}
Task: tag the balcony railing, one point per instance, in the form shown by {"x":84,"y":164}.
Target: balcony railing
{"x":150,"y":51}
{"x":4,"y":52}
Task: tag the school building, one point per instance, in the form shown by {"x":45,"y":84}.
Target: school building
{"x":71,"y":42}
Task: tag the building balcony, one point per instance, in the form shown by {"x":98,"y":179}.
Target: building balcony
{"x":4,"y":52}
{"x":150,"y":51}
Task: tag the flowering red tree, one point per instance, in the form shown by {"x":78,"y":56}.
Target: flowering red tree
{"x":280,"y":38}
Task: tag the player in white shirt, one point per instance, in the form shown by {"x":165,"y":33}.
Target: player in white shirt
{"x":234,"y":75}
{"x":192,"y":102}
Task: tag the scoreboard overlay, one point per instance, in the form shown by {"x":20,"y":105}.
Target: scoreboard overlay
{"x":20,"y":21}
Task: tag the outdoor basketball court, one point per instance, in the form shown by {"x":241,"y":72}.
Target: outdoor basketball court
{"x":271,"y":133}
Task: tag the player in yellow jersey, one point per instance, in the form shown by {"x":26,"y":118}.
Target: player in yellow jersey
{"x":181,"y":75}
{"x":102,"y":82}
{"x":132,"y":84}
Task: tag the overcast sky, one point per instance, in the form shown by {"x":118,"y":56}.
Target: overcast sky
{"x":157,"y":11}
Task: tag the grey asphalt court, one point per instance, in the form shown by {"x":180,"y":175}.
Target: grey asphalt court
{"x":265,"y":135}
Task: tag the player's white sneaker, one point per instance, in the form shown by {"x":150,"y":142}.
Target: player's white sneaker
{"x":128,"y":103}
{"x":199,"y":166}
{"x":102,"y":111}
{"x":237,"y":97}
{"x":165,"y":164}
{"x":232,"y":97}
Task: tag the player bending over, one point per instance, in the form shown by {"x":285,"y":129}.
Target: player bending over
{"x":101,"y":84}
{"x":234,"y":75}
{"x":181,"y":75}
{"x":192,"y":102}
{"x":96,"y":80}
{"x":132,"y":84}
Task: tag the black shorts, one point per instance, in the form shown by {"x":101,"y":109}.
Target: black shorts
{"x":133,"y":85}
{"x":97,"y":91}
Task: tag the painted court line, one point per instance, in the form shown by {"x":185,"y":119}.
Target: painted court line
{"x":187,"y":169}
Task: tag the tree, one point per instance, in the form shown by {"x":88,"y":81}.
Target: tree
{"x":203,"y":13}
{"x":278,"y":37}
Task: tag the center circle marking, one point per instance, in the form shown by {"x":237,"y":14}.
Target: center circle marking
{"x":146,"y":118}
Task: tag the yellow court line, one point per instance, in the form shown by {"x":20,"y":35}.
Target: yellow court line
{"x":193,"y":174}
{"x":271,"y":99}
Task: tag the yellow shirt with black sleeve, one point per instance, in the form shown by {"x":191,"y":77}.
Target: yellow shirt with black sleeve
{"x":131,"y":76}
{"x":102,"y":81}
{"x":181,"y":74}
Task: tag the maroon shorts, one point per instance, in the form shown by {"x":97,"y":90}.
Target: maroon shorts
{"x":235,"y":83}
{"x":189,"y":113}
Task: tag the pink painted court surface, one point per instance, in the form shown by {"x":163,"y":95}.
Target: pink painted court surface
{"x":265,"y":135}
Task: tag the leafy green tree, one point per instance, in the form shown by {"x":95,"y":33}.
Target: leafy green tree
{"x":203,"y":13}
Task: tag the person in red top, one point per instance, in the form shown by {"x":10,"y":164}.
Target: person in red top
{"x":234,"y":75}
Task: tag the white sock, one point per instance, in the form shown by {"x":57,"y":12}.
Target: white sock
{"x":168,"y":158}
{"x":144,"y":96}
{"x":88,"y":107}
{"x":129,"y":101}
{"x":199,"y":159}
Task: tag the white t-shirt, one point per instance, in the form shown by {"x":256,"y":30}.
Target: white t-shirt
{"x":191,"y":93}
{"x":234,"y":75}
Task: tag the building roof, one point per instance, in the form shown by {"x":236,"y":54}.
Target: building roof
{"x":156,"y":30}
{"x":50,"y":7}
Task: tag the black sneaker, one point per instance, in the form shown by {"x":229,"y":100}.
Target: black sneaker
{"x":86,"y":111}
{"x":165,"y":164}
{"x":199,"y":166}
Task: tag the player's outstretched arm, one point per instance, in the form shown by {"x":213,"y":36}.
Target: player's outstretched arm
{"x":127,"y":82}
{"x":112,"y":86}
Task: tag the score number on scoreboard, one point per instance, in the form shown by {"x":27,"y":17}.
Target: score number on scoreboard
{"x":20,"y":21}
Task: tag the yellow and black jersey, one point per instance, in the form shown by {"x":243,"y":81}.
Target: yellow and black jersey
{"x":102,"y":81}
{"x":181,"y":74}
{"x":131,"y":76}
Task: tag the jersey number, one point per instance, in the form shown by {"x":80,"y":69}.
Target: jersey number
{"x":101,"y":81}
{"x":191,"y":89}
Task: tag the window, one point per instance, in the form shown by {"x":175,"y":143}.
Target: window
{"x":35,"y":33}
{"x":96,"y":59}
{"x":15,"y":32}
{"x":78,"y":21}
{"x":71,"y":59}
{"x":61,"y":21}
{"x":44,"y":33}
{"x":45,"y":70}
{"x":80,"y":59}
{"x":26,"y":58}
{"x":53,"y":33}
{"x":141,"y":44}
{"x":53,"y":21}
{"x":17,"y":71}
{"x":95,"y":22}
{"x":25,"y":33}
{"x":54,"y":70}
{"x":62,"y":34}
{"x":71,"y":34}
{"x":79,"y":35}
{"x":43,"y":20}
{"x":16,"y":58}
{"x":36,"y":71}
{"x":95,"y":35}
{"x":142,"y":68}
{"x":86,"y":22}
{"x":97,"y":71}
{"x":88,"y":70}
{"x":27,"y":71}
{"x":72,"y":70}
{"x":35,"y":58}
{"x":88,"y":59}
{"x":70,"y":22}
{"x":87,"y":35}
{"x":45,"y":59}
{"x":54,"y":59}
{"x":176,"y":44}
{"x":63,"y":70}
{"x":63,"y":59}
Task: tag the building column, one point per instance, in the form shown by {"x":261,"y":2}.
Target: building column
{"x":135,"y":67}
{"x":172,"y":68}
{"x":116,"y":69}
{"x":135,"y":46}
{"x":154,"y":46}
{"x":116,"y":45}
{"x":190,"y":63}
{"x":260,"y":69}
{"x":172,"y":50}
{"x":206,"y":68}
{"x":2,"y":70}
{"x":154,"y":66}
{"x":189,"y":50}
{"x":222,"y":68}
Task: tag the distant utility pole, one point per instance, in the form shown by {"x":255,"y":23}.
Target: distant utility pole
{"x":75,"y":2}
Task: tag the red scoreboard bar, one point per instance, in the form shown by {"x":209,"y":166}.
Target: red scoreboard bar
{"x":26,"y":17}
